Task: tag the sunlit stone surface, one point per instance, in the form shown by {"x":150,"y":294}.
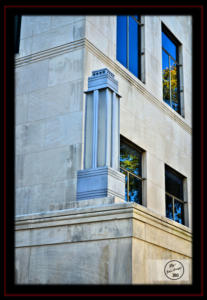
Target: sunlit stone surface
{"x":97,"y":240}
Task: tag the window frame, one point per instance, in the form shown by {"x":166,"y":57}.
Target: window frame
{"x":139,"y":177}
{"x":17,"y":29}
{"x":173,"y":197}
{"x":140,"y":53}
{"x":175,"y":41}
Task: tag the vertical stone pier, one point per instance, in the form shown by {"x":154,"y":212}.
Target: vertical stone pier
{"x":101,"y":177}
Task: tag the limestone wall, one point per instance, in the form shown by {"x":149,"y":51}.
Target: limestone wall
{"x":144,"y":117}
{"x":121,"y":243}
{"x":49,"y":112}
{"x":57,"y":55}
{"x":57,"y":239}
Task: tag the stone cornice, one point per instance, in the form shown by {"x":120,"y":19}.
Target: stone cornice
{"x":45,"y":54}
{"x":114,"y":66}
{"x":101,"y":213}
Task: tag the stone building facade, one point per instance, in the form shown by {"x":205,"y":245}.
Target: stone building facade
{"x":61,"y":237}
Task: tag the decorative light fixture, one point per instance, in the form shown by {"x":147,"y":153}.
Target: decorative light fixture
{"x":101,"y":176}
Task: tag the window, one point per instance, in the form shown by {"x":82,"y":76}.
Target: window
{"x":131,"y":167}
{"x":170,"y":70}
{"x":17,"y":25}
{"x":128,"y":43}
{"x":174,"y":195}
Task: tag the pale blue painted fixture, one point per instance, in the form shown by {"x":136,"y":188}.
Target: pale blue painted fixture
{"x":101,"y":176}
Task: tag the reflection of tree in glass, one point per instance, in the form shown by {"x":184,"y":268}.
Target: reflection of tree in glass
{"x":130,"y":161}
{"x":133,"y":195}
{"x":166,"y":84}
{"x":125,"y":173}
{"x":134,"y":189}
{"x":169,"y":207}
{"x":178,"y":212}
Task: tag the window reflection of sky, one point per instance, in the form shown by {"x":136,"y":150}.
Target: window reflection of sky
{"x":122,"y":39}
{"x":165,"y":61}
{"x":169,"y":46}
{"x":134,"y":189}
{"x":133,"y":46}
{"x":172,"y":64}
{"x":174,"y":184}
{"x":125,"y":173}
{"x":169,"y":207}
{"x":130,"y":160}
{"x":133,"y":196}
{"x":178,"y":211}
{"x":128,"y":43}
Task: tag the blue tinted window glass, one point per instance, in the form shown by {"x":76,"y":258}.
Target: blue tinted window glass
{"x":178,"y":212}
{"x":169,"y":207}
{"x":133,"y":46}
{"x":165,"y":65}
{"x":169,"y":46}
{"x":174,"y":85}
{"x":137,"y":17}
{"x":135,"y":189}
{"x":125,"y":173}
{"x":17,"y":27}
{"x":166,"y":77}
{"x":130,"y":159}
{"x":121,"y":47}
{"x":174,"y":184}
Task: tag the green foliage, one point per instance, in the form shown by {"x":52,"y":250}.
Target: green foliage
{"x":129,"y":159}
{"x":174,"y":84}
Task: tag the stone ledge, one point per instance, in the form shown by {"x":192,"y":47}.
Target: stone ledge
{"x":148,"y":216}
{"x":114,"y":224}
{"x":49,"y":53}
{"x":115,"y":66}
{"x":108,"y":209}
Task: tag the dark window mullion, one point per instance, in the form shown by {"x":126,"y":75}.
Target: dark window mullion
{"x":173,"y":182}
{"x":139,"y":51}
{"x":178,"y":78}
{"x":128,"y":50}
{"x":176,"y":198}
{"x":170,"y":46}
{"x":173,"y":208}
{"x":127,"y":42}
{"x":137,"y":21}
{"x":133,"y":182}
{"x":137,"y":176}
{"x":17,"y":26}
{"x":132,"y":146}
{"x":170,"y":80}
{"x":127,"y":186}
{"x":169,"y":55}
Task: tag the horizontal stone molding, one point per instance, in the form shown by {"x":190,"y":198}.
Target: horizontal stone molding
{"x":49,"y":53}
{"x":99,"y":213}
{"x":101,"y":171}
{"x":114,"y":66}
{"x":48,"y":240}
{"x":91,"y":194}
{"x":98,"y":194}
{"x":100,"y":182}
